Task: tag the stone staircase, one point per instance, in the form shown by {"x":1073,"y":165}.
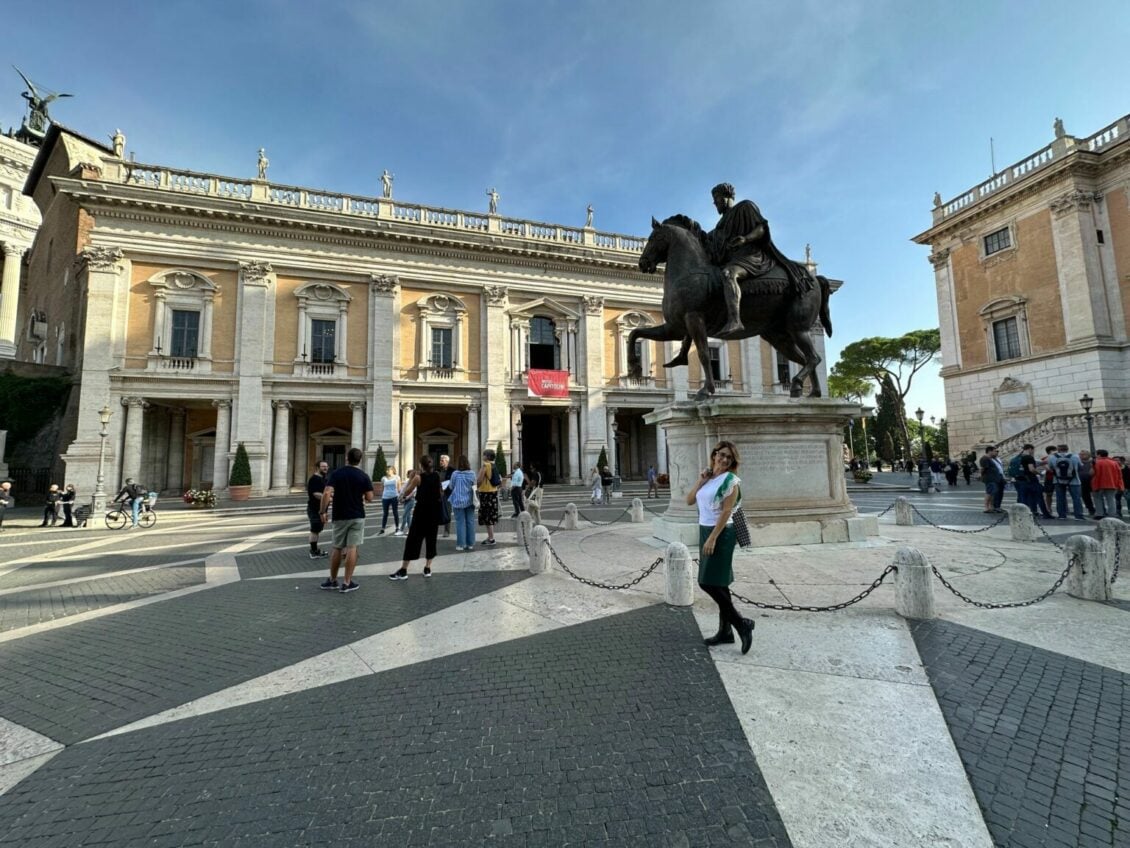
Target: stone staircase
{"x":1072,"y":430}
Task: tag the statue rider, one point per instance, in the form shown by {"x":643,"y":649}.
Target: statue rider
{"x":741,"y":246}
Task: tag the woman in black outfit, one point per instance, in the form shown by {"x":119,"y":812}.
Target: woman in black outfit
{"x":425,"y":520}
{"x":68,"y":502}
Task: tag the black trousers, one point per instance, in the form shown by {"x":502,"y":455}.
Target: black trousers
{"x":726,"y":610}
{"x":420,"y":531}
{"x":516,"y":497}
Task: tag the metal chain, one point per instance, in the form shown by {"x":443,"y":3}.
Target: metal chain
{"x":885,"y":511}
{"x":996,"y":523}
{"x":601,"y":523}
{"x":831,"y":608}
{"x":652,"y":511}
{"x":560,"y":521}
{"x":983,"y":605}
{"x":645,"y":573}
{"x":1047,"y":535}
{"x":1117,"y":557}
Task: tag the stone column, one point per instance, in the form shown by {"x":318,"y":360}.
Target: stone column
{"x":591,"y":366}
{"x":474,"y":438}
{"x":132,"y":444}
{"x":496,"y":345}
{"x":610,"y":437}
{"x":407,"y":437}
{"x":574,"y":446}
{"x":384,"y":345}
{"x":175,"y":474}
{"x":9,"y":299}
{"x":661,"y":443}
{"x":947,"y":308}
{"x":1082,"y":292}
{"x":251,"y":423}
{"x":357,"y":430}
{"x":751,"y":366}
{"x":223,"y":445}
{"x":301,"y":448}
{"x":678,"y":377}
{"x":280,"y":454}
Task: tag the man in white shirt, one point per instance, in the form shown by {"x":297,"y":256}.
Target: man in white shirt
{"x":517,"y":480}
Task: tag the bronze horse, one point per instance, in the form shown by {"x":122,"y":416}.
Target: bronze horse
{"x":694,"y":308}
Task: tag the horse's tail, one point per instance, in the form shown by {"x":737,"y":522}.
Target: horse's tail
{"x":825,"y":293}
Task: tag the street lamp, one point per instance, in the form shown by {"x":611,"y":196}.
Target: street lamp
{"x":519,"y":427}
{"x":851,"y":438}
{"x":866,"y":447}
{"x":1087,"y":402}
{"x":99,"y":500}
{"x":923,"y":466}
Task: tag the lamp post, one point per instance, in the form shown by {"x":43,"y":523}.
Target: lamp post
{"x":519,"y":427}
{"x":866,"y":447}
{"x":851,"y":438}
{"x":923,"y":466}
{"x":99,"y":501}
{"x":1087,"y":402}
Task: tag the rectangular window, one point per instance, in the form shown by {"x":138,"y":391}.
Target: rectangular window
{"x":998,"y":241}
{"x":1006,"y":337}
{"x":186,"y":334}
{"x":322,"y":337}
{"x":442,"y":356}
{"x":716,"y":362}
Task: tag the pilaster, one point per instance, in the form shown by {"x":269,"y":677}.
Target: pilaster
{"x":301,"y":449}
{"x":496,"y":355}
{"x":254,"y":351}
{"x":592,"y":364}
{"x":222,"y":451}
{"x":280,"y":453}
{"x":947,"y":308}
{"x":9,"y":298}
{"x":1081,"y":288}
{"x":384,"y":347}
{"x":474,"y":434}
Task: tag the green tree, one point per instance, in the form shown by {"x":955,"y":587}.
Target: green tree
{"x":500,"y":460}
{"x":886,"y":423}
{"x":380,"y":464}
{"x":849,"y":388}
{"x":889,"y":452}
{"x":603,"y":460}
{"x":240,"y":468}
{"x":890,"y":362}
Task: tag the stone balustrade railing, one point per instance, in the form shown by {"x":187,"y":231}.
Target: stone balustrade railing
{"x":1057,"y":427}
{"x":1039,"y":159}
{"x":190,"y":182}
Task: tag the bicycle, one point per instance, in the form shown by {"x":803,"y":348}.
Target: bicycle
{"x":121,"y":514}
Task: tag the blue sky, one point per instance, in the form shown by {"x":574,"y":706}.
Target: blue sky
{"x":839,"y":118}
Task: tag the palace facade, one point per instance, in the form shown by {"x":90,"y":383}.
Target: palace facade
{"x":205,"y":311}
{"x":1032,"y":270}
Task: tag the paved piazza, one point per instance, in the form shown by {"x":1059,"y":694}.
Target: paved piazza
{"x":191,"y":686}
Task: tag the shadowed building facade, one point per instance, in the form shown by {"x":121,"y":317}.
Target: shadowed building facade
{"x":1032,"y":269}
{"x":212,"y":310}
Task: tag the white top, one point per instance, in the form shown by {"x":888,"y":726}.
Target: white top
{"x":390,"y":487}
{"x":708,"y":508}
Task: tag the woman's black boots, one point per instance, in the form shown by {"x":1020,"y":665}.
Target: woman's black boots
{"x":724,"y":636}
{"x":746,"y":634}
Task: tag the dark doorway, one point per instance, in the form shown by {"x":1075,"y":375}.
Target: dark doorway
{"x":538,"y":446}
{"x":334,"y":455}
{"x":438,"y":449}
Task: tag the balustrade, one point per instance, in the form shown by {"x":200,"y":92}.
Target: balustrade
{"x":177,"y":363}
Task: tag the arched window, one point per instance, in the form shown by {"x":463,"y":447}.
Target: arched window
{"x":545,"y":350}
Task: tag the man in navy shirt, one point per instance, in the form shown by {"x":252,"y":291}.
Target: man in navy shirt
{"x":348,"y":489}
{"x":315,"y":486}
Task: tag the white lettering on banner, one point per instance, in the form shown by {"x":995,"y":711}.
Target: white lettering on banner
{"x":546,"y":383}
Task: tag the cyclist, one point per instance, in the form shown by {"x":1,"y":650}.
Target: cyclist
{"x":134,"y":494}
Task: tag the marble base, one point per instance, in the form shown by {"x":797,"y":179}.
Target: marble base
{"x":794,"y":491}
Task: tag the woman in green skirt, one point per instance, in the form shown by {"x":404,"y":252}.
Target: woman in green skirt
{"x":716,"y":493}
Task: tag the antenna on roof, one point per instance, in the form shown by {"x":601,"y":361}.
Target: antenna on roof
{"x":992,"y":156}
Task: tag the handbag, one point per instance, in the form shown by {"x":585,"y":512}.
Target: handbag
{"x":741,"y":527}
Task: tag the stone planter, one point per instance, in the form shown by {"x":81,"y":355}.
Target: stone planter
{"x":239,"y":493}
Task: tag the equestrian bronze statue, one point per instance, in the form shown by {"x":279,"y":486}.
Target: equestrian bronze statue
{"x":732,"y":283}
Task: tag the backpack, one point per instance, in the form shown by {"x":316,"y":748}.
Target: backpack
{"x":1014,"y":467}
{"x":495,"y":477}
{"x":1064,"y":469}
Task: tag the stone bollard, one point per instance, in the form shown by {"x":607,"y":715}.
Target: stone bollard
{"x":523,"y":527}
{"x":1087,"y":580}
{"x":1022,"y":524}
{"x":533,"y":507}
{"x":1114,"y":535}
{"x":914,"y":585}
{"x":570,"y":522}
{"x":680,"y":579}
{"x":904,"y":515}
{"x":637,"y":511}
{"x":539,"y":550}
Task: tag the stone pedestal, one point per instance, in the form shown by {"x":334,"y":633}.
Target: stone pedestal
{"x":793,"y":487}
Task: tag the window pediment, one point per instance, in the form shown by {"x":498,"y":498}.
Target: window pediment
{"x":322,"y":292}
{"x":182,"y":280}
{"x":545,"y":306}
{"x":441,"y":302}
{"x":633,"y":319}
{"x":1003,"y":306}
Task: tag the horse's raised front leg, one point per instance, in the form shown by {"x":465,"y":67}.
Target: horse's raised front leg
{"x":696,"y":328}
{"x":659,"y":333}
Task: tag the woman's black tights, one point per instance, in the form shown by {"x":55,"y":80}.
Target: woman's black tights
{"x":726,"y":611}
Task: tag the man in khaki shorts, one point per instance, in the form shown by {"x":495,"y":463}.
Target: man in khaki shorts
{"x":348,"y":489}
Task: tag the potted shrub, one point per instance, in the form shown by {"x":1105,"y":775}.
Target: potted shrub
{"x":200,"y":498}
{"x":862,"y":475}
{"x":239,"y":482}
{"x":380,"y":464}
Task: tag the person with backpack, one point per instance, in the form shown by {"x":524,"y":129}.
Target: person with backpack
{"x":992,"y":475}
{"x":488,"y":482}
{"x":133,"y":494}
{"x":1086,"y":474}
{"x":1016,"y":473}
{"x":1029,"y":481}
{"x":1065,"y":468}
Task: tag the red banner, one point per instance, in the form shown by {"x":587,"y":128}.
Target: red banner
{"x":547,"y":384}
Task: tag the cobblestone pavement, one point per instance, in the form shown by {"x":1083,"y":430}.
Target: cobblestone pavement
{"x":112,"y":671}
{"x":36,"y":573}
{"x":615,"y":732}
{"x":1045,"y":739}
{"x":35,"y":605}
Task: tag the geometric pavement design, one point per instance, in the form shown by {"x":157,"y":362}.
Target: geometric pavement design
{"x":617,"y":731}
{"x":111,"y":671}
{"x":1044,"y":738}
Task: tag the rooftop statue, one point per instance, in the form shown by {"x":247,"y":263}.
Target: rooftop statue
{"x":35,"y":124}
{"x":264,"y":163}
{"x":732,"y":282}
{"x":386,"y":184}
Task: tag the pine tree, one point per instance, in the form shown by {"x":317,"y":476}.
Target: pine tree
{"x":500,"y":461}
{"x":380,"y":464}
{"x":240,"y":468}
{"x":603,"y":461}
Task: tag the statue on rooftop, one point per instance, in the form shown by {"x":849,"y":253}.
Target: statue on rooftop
{"x":119,"y":142}
{"x":35,"y":124}
{"x":1057,"y":127}
{"x":588,"y":217}
{"x":264,"y":163}
{"x":493,"y":195}
{"x":386,"y":184}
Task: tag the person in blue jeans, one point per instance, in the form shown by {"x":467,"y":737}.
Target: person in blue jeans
{"x":1065,"y":474}
{"x":461,"y":499}
{"x":390,"y":499}
{"x":992,"y":475}
{"x":134,"y":493}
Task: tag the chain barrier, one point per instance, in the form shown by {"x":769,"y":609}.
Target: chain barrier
{"x":1117,"y":557}
{"x":602,"y":523}
{"x":1071,"y":563}
{"x":1047,"y":535}
{"x":652,"y":511}
{"x":876,"y":583}
{"x":598,"y":585}
{"x":918,"y":512}
{"x":560,"y":521}
{"x":885,"y":511}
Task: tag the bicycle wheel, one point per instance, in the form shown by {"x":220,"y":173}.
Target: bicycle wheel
{"x":147,"y":518}
{"x":116,"y":519}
